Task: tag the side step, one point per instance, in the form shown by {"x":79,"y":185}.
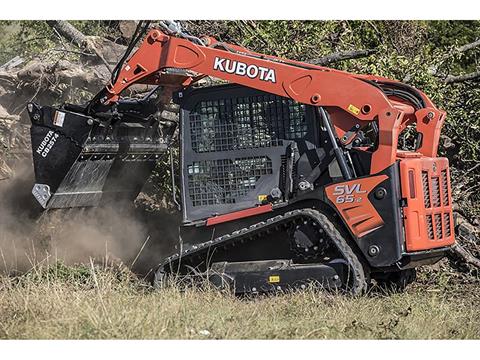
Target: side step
{"x":275,"y":275}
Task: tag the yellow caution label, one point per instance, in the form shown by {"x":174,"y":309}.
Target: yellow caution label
{"x":262,"y":198}
{"x":353,"y":109}
{"x":273,"y":279}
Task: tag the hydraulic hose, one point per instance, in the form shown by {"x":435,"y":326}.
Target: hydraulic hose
{"x":338,"y":152}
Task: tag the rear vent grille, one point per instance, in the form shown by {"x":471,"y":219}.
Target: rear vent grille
{"x":428,"y":214}
{"x":245,"y":123}
{"x":222,"y":181}
{"x":436,"y":197}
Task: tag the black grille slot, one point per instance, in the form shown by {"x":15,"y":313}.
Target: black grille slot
{"x":222,"y":181}
{"x":446,"y":221}
{"x":438,"y":226}
{"x":436,"y":191}
{"x":246,"y":122}
{"x":430,"y":227}
{"x":283,"y":173}
{"x":426,"y":189}
{"x":445,"y":188}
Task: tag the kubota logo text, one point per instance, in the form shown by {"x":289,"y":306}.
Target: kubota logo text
{"x":346,"y":193}
{"x":239,"y":68}
{"x":47,"y":143}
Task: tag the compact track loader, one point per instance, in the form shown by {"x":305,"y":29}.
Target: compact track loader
{"x":291,"y":173}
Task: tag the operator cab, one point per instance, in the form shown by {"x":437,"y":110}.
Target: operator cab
{"x":242,"y":146}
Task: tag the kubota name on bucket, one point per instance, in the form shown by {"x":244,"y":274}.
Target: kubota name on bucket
{"x":47,"y":143}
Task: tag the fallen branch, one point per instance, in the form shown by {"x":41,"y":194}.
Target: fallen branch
{"x":73,"y":52}
{"x":462,"y":78}
{"x":343,"y":55}
{"x":459,"y":252}
{"x":17,"y":60}
{"x":461,"y":49}
{"x":469,"y":46}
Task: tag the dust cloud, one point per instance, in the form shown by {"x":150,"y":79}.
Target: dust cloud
{"x":137,"y":237}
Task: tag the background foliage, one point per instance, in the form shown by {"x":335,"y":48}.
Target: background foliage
{"x":421,"y":53}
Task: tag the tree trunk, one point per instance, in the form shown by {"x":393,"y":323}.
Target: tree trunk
{"x":69,"y":32}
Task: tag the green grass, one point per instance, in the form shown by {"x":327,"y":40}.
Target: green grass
{"x":82,"y":303}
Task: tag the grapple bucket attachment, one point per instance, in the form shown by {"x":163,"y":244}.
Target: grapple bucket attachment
{"x":80,"y":161}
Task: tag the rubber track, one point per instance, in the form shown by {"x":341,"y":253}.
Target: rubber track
{"x":252,"y":232}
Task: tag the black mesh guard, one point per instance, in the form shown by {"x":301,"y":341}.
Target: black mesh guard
{"x":245,"y":123}
{"x":235,"y":139}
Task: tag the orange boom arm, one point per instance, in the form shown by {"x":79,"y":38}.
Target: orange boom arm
{"x":357,"y":96}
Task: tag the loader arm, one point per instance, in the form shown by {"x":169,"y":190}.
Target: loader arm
{"x":361,"y":97}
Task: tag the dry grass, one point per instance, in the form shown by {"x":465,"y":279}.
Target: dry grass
{"x":81,"y":303}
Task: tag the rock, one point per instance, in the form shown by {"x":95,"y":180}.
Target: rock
{"x":127,"y":28}
{"x":4,"y":115}
{"x":32,"y":71}
{"x":204,"y":332}
{"x":110,"y":51}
